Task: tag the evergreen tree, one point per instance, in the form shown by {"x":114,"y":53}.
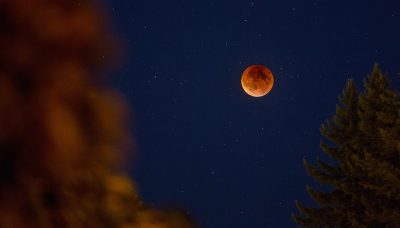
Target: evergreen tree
{"x":364,"y":142}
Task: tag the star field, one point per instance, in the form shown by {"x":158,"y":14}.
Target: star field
{"x":229,"y":159}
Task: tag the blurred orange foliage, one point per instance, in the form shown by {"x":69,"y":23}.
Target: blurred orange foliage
{"x":62,"y":131}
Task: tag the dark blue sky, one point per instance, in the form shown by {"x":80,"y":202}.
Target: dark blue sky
{"x":230,"y":159}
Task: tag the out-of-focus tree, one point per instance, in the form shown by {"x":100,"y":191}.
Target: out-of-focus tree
{"x":364,"y":137}
{"x":62,"y":131}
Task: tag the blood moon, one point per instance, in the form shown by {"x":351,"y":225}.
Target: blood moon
{"x":257,"y":80}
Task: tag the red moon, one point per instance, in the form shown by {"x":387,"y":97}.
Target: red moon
{"x":257,"y":80}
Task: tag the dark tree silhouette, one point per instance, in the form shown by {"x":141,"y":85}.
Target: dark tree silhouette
{"x":364,"y":142}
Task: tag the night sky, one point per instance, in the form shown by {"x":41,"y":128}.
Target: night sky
{"x":203,"y":144}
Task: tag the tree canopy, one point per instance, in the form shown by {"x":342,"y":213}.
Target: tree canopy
{"x":363,"y":140}
{"x":62,"y":130}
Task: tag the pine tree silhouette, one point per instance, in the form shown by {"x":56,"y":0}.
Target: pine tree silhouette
{"x":364,"y":139}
